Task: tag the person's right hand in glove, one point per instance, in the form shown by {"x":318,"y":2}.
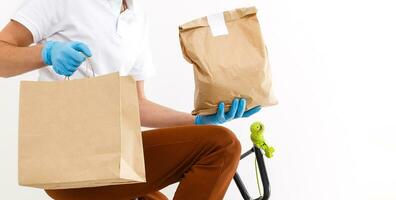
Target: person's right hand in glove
{"x":65,"y":57}
{"x":237,"y":110}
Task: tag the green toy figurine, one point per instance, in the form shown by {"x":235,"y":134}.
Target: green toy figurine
{"x":257,"y":136}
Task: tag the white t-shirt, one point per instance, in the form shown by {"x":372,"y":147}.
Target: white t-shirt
{"x":118,"y":42}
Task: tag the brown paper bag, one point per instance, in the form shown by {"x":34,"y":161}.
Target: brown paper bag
{"x":80,"y":133}
{"x":230,"y":64}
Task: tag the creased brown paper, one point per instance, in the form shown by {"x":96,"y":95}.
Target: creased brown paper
{"x":80,"y":133}
{"x":228,"y":66}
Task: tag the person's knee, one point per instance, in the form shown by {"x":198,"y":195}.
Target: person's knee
{"x":227,"y":140}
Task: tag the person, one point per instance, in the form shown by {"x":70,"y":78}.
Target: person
{"x":57,"y":36}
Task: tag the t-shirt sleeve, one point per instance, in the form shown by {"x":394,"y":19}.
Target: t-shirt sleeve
{"x":144,"y":67}
{"x":40,"y":17}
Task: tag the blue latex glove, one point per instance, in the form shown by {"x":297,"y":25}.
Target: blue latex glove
{"x":237,"y":110}
{"x":65,"y":57}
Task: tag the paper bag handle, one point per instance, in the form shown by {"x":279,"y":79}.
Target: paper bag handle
{"x":89,"y":62}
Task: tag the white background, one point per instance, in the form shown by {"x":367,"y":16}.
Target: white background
{"x":334,"y":74}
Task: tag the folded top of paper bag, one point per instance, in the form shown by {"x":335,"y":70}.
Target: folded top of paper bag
{"x":228,"y":16}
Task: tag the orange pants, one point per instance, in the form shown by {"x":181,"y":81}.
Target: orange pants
{"x":202,"y":158}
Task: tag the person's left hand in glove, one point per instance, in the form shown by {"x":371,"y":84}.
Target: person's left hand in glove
{"x":237,"y":110}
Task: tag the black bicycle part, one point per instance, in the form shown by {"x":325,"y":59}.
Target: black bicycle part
{"x":263,"y":174}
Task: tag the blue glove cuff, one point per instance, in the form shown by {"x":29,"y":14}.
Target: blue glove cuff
{"x":197,"y":120}
{"x":46,"y":52}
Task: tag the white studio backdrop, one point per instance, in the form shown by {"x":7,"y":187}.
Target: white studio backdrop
{"x":334,"y":74}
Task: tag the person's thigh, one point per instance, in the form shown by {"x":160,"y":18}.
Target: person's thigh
{"x":169,"y":153}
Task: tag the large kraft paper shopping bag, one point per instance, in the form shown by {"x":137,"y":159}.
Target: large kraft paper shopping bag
{"x":80,"y":133}
{"x":230,"y":60}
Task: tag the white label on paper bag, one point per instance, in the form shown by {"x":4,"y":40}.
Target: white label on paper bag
{"x":217,"y":24}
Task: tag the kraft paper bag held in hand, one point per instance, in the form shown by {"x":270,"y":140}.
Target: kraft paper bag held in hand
{"x":80,"y":133}
{"x":230,"y":60}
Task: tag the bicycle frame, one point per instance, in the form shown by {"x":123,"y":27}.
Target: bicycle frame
{"x":263,"y":174}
